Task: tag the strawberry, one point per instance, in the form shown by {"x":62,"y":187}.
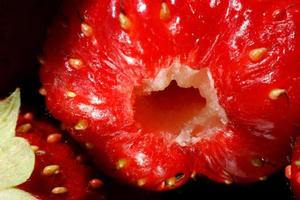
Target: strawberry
{"x":58,"y":173}
{"x":159,"y":91}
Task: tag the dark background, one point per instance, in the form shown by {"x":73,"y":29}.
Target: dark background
{"x":23,"y":29}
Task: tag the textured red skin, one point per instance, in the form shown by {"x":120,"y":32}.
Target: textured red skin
{"x":73,"y":175}
{"x":214,"y":34}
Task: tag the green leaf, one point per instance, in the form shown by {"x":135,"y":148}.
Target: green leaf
{"x":15,"y":194}
{"x":9,"y":110}
{"x":16,"y":162}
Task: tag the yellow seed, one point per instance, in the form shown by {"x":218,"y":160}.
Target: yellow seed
{"x":121,"y":164}
{"x":297,"y":163}
{"x":226,"y":173}
{"x":50,"y":170}
{"x":54,"y":138}
{"x":263,"y":178}
{"x":34,"y":148}
{"x":194,"y":175}
{"x":124,"y":22}
{"x":59,"y":190}
{"x":43,"y":91}
{"x":227,"y":178}
{"x":171,"y":182}
{"x":257,"y":55}
{"x":228,"y":182}
{"x":71,"y":94}
{"x":75,"y":63}
{"x":164,"y":13}
{"x":81,"y":125}
{"x":276,"y":93}
{"x":256,"y":162}
{"x":24,"y":128}
{"x":141,"y":182}
{"x":40,"y":152}
{"x":86,"y":30}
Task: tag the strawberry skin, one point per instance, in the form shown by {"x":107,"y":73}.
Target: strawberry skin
{"x":109,"y":74}
{"x":57,"y":174}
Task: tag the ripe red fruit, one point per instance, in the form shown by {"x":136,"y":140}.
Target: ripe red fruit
{"x":161,"y":90}
{"x":57,"y":174}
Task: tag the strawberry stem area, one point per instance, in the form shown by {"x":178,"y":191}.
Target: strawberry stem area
{"x":168,"y":110}
{"x":179,"y":101}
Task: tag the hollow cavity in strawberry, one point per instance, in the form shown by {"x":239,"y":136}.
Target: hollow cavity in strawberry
{"x":159,"y":91}
{"x":181,"y":101}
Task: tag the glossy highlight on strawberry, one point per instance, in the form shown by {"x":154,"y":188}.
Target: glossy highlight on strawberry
{"x":159,"y":91}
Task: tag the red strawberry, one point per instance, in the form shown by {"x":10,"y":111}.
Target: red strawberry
{"x":57,"y":174}
{"x":125,"y":77}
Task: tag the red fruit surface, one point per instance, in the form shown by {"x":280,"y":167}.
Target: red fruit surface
{"x":161,"y":90}
{"x":70,"y":176}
